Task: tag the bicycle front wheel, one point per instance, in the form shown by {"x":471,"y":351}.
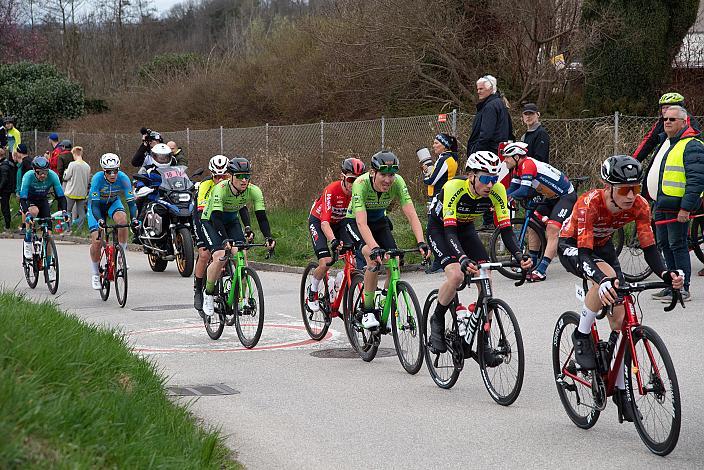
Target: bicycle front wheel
{"x":631,"y":259}
{"x":53,"y":285}
{"x":575,"y":395}
{"x":104,"y":267}
{"x":120,"y":277}
{"x":362,"y":339}
{"x":406,"y":325}
{"x":443,"y":367}
{"x":498,"y":252}
{"x":659,"y":402}
{"x":500,"y":349}
{"x":316,"y":323}
{"x":249,"y":318}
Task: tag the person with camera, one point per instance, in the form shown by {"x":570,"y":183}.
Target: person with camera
{"x":142,"y":157}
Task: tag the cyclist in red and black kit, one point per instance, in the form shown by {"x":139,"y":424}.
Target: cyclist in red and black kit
{"x":324,"y":222}
{"x":586,"y":250}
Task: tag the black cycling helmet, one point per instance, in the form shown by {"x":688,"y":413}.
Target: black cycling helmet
{"x":353,"y":166}
{"x":239,"y":164}
{"x":621,"y":169}
{"x":40,"y":163}
{"x":8,"y":119}
{"x":384,"y":158}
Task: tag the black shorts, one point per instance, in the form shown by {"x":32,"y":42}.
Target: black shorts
{"x":215,"y":239}
{"x":198,"y":231}
{"x":569,"y":257}
{"x":558,"y":209}
{"x":469,"y":240}
{"x":381,"y":231}
{"x":42,"y":205}
{"x":317,"y":237}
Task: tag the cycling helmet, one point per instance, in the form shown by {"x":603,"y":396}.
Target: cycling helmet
{"x":109,"y":161}
{"x":218,"y":165}
{"x":40,"y":163}
{"x":9,"y":119}
{"x":671,"y":98}
{"x":484,"y":161}
{"x":161,"y":153}
{"x":353,"y":166}
{"x":449,"y":141}
{"x":154,"y":135}
{"x":515,"y":149}
{"x":621,"y":169}
{"x":239,"y":165}
{"x":383,"y":158}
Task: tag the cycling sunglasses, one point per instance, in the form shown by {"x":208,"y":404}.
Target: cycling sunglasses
{"x":388,"y":169}
{"x":41,"y":172}
{"x":625,"y":189}
{"x":243,"y":176}
{"x":350,"y":179}
{"x":488,"y":179}
{"x":111,"y":172}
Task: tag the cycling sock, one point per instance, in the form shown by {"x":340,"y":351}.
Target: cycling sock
{"x":620,"y":381}
{"x":197,"y":283}
{"x":314,"y":284}
{"x":368,"y":301}
{"x":534,"y":255}
{"x":95,"y":265}
{"x":124,"y":246}
{"x":586,"y":320}
{"x":543,"y":265}
{"x":209,"y":287}
{"x":440,"y":309}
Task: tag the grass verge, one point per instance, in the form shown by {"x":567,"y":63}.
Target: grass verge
{"x":73,"y":395}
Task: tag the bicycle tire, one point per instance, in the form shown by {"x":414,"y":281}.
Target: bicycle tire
{"x":696,"y":237}
{"x":52,"y":285}
{"x":120,"y":272}
{"x":31,"y":270}
{"x":573,"y":395}
{"x":362,"y":339}
{"x":316,"y":323}
{"x":648,"y":337}
{"x":215,"y":323}
{"x":410,"y":328}
{"x":496,"y":255}
{"x":632,"y":261}
{"x":254,"y":309}
{"x":442,"y":367}
{"x":103,"y":269}
{"x":345,"y":308}
{"x":511,"y":350}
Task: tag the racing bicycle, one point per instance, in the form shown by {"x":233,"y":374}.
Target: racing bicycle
{"x":44,"y":255}
{"x":113,"y":264}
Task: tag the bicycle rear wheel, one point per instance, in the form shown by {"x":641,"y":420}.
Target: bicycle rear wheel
{"x":249,"y":316}
{"x":499,"y":253}
{"x":503,"y":341}
{"x":575,"y":396}
{"x":660,"y":404}
{"x":631,"y":259}
{"x":104,"y":269}
{"x":362,"y":339}
{"x":31,"y":270}
{"x":406,"y":325}
{"x":316,"y":323}
{"x":120,"y":276}
{"x":696,"y":237}
{"x":443,"y":367}
{"x":226,"y":279}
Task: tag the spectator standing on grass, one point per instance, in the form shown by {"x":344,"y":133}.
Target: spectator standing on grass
{"x":178,"y":153}
{"x":8,"y":180}
{"x":65,"y":158}
{"x":77,"y":179}
{"x":536,"y":136}
{"x":491,"y":126}
{"x":54,"y":150}
{"x":14,"y":136}
{"x":24,"y":164}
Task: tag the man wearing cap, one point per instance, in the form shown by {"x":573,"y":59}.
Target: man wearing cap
{"x":14,"y":137}
{"x":142,"y":157}
{"x":8,"y":178}
{"x":24,"y":164}
{"x":178,"y":153}
{"x":54,"y":150}
{"x":536,"y":136}
{"x":65,"y":157}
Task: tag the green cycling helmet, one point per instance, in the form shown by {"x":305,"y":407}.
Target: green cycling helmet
{"x":671,"y":98}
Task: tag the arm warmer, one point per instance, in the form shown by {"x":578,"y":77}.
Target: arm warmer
{"x":62,"y":202}
{"x":654,"y":259}
{"x":522,"y":192}
{"x":139,"y":155}
{"x":244,"y":217}
{"x":454,"y":240}
{"x":509,"y":239}
{"x":133,"y":209}
{"x":263,"y":222}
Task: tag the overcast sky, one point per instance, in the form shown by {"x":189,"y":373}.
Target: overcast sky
{"x":163,"y":6}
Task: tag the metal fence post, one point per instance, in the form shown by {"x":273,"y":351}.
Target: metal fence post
{"x":266,"y":131}
{"x":73,"y":136}
{"x":117,"y":145}
{"x":616,"y":115}
{"x":36,"y":139}
{"x":383,"y":132}
{"x":322,"y":142}
{"x":221,"y":143}
{"x":454,"y":122}
{"x":188,"y":141}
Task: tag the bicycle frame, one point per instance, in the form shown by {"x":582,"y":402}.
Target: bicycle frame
{"x":394,"y":275}
{"x":348,"y":256}
{"x":240,"y":264}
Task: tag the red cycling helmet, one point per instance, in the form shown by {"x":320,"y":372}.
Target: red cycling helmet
{"x":353,"y":166}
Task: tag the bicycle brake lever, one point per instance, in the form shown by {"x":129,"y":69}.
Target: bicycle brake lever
{"x":676,"y":295}
{"x":524,"y":274}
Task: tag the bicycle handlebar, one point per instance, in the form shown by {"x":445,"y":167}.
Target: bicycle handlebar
{"x":637,"y":287}
{"x":394,"y":252}
{"x":336,"y":254}
{"x":244,"y":246}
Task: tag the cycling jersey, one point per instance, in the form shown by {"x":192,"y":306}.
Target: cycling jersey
{"x":331,"y":206}
{"x":592,"y":224}
{"x":366,"y":198}
{"x":104,"y":198}
{"x":541,"y":177}
{"x":456,"y":204}
{"x":204,"y":190}
{"x":224,"y":199}
{"x":34,"y":192}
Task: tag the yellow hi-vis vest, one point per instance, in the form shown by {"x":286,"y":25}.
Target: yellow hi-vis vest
{"x":673,"y":177}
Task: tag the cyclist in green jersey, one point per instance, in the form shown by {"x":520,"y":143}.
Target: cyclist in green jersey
{"x":368,"y":227}
{"x":221,"y":224}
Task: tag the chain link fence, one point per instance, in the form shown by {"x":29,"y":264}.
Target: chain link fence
{"x":293,"y":163}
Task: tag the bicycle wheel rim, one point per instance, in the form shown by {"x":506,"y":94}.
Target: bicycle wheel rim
{"x":104,"y":280}
{"x":31,"y":271}
{"x":406,"y":326}
{"x":316,"y":323}
{"x":362,"y":341}
{"x":120,"y":271}
{"x":442,"y":367}
{"x":631,"y":258}
{"x":576,"y":397}
{"x":249,"y":321}
{"x":52,"y":285}
{"x":660,"y":406}
{"x":504,"y":381}
{"x":215,"y":323}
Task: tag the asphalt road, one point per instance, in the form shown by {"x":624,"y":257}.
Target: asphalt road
{"x":294,"y":410}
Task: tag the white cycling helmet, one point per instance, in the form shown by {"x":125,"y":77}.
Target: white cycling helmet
{"x":484,"y":161}
{"x":109,"y":161}
{"x":515,"y":149}
{"x":218,"y":164}
{"x":161,"y":153}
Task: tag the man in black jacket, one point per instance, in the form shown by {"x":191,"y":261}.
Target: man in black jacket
{"x":8,"y":175}
{"x":142,"y":157}
{"x":536,"y":136}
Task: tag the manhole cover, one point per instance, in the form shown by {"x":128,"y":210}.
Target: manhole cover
{"x":159,"y":308}
{"x":349,"y":353}
{"x":200,"y":390}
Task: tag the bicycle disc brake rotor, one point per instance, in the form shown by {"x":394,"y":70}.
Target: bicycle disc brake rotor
{"x":599,"y":392}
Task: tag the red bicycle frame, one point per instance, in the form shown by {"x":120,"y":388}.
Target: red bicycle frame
{"x":349,"y":257}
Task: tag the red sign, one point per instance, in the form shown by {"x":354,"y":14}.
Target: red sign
{"x":442,"y":117}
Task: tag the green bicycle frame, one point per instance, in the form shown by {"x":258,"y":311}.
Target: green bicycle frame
{"x":394,"y":276}
{"x":240,"y":264}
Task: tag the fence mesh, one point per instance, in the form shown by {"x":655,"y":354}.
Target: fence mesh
{"x":293,"y":163}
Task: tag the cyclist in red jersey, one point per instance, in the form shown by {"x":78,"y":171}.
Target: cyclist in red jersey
{"x":586,"y":250}
{"x":324,"y":222}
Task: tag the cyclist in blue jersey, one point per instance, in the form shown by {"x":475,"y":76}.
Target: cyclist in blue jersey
{"x":34,"y":198}
{"x":104,"y":201}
